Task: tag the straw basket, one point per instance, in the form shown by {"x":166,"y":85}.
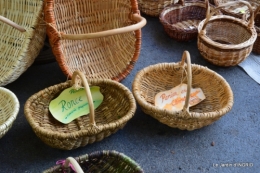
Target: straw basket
{"x":100,"y":38}
{"x":19,"y":49}
{"x":219,"y":96}
{"x":116,"y":109}
{"x":9,"y":108}
{"x":180,"y":21}
{"x":256,"y":47}
{"x":154,"y":7}
{"x":225,"y":40}
{"x":98,"y":162}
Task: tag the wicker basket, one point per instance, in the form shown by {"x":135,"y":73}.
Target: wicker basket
{"x":225,"y":40}
{"x":100,"y":38}
{"x":98,"y":162}
{"x":154,"y":7}
{"x":256,"y":47}
{"x":19,"y":50}
{"x":180,"y":21}
{"x":116,"y":109}
{"x":9,"y":108}
{"x":219,"y":96}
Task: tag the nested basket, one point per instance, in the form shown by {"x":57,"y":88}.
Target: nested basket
{"x":225,"y":40}
{"x":219,"y":96}
{"x":19,"y":49}
{"x":100,"y":38}
{"x":117,"y":108}
{"x":256,"y":47}
{"x":98,"y":162}
{"x":9,"y":108}
{"x":180,"y":21}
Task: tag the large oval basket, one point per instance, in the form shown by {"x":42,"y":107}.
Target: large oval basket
{"x":116,"y":109}
{"x":219,"y":96}
{"x":100,"y":38}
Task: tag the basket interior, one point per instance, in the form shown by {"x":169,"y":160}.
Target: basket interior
{"x":227,"y":31}
{"x":104,"y":57}
{"x":7,"y":107}
{"x":213,"y":86}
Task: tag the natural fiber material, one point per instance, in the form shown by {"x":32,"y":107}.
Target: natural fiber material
{"x":256,"y":47}
{"x":154,"y":7}
{"x":180,"y":21}
{"x":101,"y":162}
{"x":225,"y":40}
{"x":19,"y":50}
{"x":100,"y":38}
{"x":116,"y":109}
{"x":219,"y":96}
{"x":9,"y":108}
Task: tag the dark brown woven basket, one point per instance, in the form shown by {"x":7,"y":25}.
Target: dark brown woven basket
{"x":98,"y":162}
{"x":180,"y":21}
{"x":256,"y":47}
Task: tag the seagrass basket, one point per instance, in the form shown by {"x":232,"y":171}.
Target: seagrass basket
{"x":225,"y":40}
{"x":116,"y":109}
{"x":100,"y":38}
{"x":219,"y":96}
{"x":256,"y":47}
{"x":97,"y":162}
{"x":9,"y":108}
{"x":19,"y":49}
{"x":181,"y":20}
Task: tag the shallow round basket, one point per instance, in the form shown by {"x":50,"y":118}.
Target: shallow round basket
{"x":117,"y":108}
{"x":225,"y":40}
{"x":98,"y":162}
{"x":256,"y":47}
{"x":9,"y":108}
{"x":219,"y":96}
{"x":100,"y":38}
{"x":180,"y":21}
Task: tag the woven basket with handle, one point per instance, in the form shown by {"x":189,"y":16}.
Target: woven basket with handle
{"x":19,"y":49}
{"x":98,"y":162}
{"x":225,"y":40}
{"x":116,"y":109}
{"x":9,"y":108}
{"x":100,"y":38}
{"x":219,"y":96}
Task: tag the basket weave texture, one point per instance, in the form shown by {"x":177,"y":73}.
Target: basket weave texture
{"x":180,"y":21}
{"x":219,"y":96}
{"x":9,"y":108}
{"x":256,"y":47}
{"x":116,"y":109}
{"x":101,"y":162}
{"x":19,"y":50}
{"x":225,"y":40}
{"x":100,"y":38}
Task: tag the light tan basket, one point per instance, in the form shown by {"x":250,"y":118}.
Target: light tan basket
{"x":219,"y":96}
{"x":19,"y":50}
{"x":225,"y":40}
{"x":9,"y":108}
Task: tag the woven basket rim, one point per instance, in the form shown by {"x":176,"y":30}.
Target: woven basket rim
{"x":194,"y":115}
{"x":247,"y":43}
{"x":82,"y":132}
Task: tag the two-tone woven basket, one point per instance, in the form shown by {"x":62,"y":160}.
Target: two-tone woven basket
{"x":100,"y":38}
{"x":226,"y":40}
{"x":117,"y":108}
{"x":219,"y":96}
{"x":19,"y":49}
{"x":9,"y":108}
{"x":98,"y":162}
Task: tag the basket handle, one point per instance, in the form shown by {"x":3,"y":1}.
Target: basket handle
{"x":136,"y":17}
{"x":11,"y":23}
{"x":88,"y":93}
{"x":186,"y":57}
{"x":182,"y":2}
{"x":76,"y":166}
{"x":250,"y":23}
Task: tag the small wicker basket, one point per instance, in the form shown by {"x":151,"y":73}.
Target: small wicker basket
{"x":180,"y":21}
{"x":100,"y":38}
{"x":9,"y":108}
{"x":219,"y":96}
{"x":116,"y":109}
{"x":98,"y":162}
{"x":256,"y":47}
{"x":225,"y":40}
